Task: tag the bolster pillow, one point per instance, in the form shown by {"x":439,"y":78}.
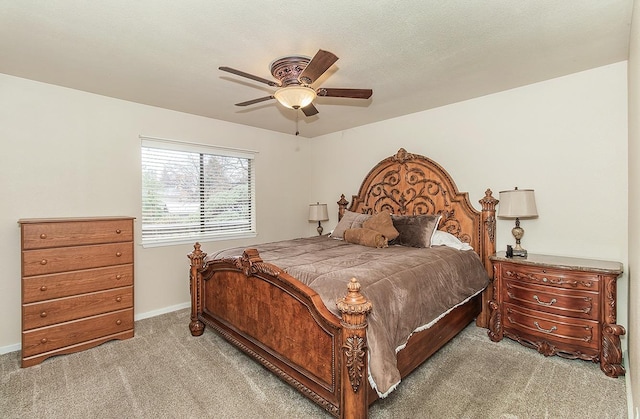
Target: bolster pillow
{"x":365,"y":237}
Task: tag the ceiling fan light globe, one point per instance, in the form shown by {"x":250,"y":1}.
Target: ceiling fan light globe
{"x":295,"y":97}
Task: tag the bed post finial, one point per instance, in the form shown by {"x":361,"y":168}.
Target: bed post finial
{"x":354,"y":308}
{"x":197,"y":260}
{"x":342,"y":206}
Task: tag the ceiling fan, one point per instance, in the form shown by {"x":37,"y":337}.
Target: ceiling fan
{"x":295,"y":76}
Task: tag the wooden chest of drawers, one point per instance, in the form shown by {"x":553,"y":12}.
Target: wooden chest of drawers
{"x":559,"y":306}
{"x":77,"y":284}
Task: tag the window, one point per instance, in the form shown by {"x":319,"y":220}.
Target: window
{"x":195,"y":192}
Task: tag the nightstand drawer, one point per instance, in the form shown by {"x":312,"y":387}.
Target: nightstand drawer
{"x":46,"y":261}
{"x":565,"y":330}
{"x":70,"y":308}
{"x":75,"y":233}
{"x":561,"y":278}
{"x":563,"y":302}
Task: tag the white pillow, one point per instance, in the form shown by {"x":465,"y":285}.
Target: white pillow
{"x":442,"y":238}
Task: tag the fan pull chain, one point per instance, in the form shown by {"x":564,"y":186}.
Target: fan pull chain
{"x":297,"y":130}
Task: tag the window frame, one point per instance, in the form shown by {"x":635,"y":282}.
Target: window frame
{"x":188,"y":147}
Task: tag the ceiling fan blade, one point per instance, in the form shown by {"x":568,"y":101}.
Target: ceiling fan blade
{"x":349,"y":93}
{"x":251,"y":102}
{"x":309,"y":110}
{"x":317,"y":66}
{"x":249,"y":76}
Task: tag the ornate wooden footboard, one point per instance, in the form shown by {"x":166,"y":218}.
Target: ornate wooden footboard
{"x":284,"y":324}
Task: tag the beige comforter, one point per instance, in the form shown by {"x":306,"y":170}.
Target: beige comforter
{"x":409,"y":288}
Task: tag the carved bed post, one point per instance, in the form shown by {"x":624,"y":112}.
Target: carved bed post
{"x":488,"y":243}
{"x":197,"y":259}
{"x":354,"y":308}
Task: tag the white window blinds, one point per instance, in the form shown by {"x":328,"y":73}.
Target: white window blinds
{"x":195,"y":192}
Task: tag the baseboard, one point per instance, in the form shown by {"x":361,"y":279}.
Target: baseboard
{"x":160,"y":311}
{"x":9,"y":348}
{"x":141,"y":316}
{"x":627,"y":382}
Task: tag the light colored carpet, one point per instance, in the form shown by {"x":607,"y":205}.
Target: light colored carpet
{"x":164,"y":372}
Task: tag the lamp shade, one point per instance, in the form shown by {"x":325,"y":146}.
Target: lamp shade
{"x":318,"y":212}
{"x":295,"y":97}
{"x":517,"y":203}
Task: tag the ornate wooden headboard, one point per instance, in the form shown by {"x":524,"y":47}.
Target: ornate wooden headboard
{"x":411,"y":184}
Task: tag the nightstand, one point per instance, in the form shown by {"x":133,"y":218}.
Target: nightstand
{"x":558,"y":306}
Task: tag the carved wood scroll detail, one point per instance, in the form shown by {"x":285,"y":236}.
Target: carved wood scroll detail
{"x":354,"y":351}
{"x":354,"y":308}
{"x":548,"y":279}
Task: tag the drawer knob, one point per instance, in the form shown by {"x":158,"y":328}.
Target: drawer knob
{"x":118,"y":299}
{"x":43,"y":262}
{"x":118,"y":322}
{"x":43,"y":340}
{"x":118,"y":277}
{"x":553,"y":328}
{"x":118,"y":231}
{"x":545,"y":279}
{"x":43,"y":236}
{"x":542,"y":303}
{"x":43,"y":314}
{"x":118,"y":254}
{"x":43,"y":288}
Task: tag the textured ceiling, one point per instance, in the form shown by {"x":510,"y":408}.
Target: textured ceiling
{"x":414,"y":54}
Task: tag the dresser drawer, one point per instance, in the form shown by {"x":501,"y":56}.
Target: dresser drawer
{"x":75,"y":233}
{"x":554,"y":300}
{"x":70,"y":308}
{"x":564,"y":330}
{"x":574,"y":280}
{"x":45,"y":287}
{"x":46,"y":261}
{"x":74,"y":332}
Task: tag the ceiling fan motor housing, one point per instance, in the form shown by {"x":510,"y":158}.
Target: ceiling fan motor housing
{"x":288,"y":69}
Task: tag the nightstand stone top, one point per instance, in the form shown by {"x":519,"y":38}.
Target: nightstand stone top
{"x":563,"y":262}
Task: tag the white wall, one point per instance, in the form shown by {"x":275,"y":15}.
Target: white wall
{"x":634,"y":214}
{"x":69,"y":153}
{"x":72,"y":153}
{"x":566,"y":138}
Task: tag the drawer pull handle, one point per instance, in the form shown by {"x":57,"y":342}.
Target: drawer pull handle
{"x":553,"y":329}
{"x":545,"y":279}
{"x":43,"y":288}
{"x":43,"y":236}
{"x":118,"y":231}
{"x":118,"y":254}
{"x":43,"y":262}
{"x":43,"y":314}
{"x":43,"y":340}
{"x":118,"y":277}
{"x":118,"y":299}
{"x":542,"y":303}
{"x":118,"y":322}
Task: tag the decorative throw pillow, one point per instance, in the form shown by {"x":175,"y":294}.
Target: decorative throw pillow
{"x":349,"y":220}
{"x":382,"y":223}
{"x":365,"y":237}
{"x":442,"y":238}
{"x":415,"y":230}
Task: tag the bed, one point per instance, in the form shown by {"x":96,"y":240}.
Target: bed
{"x":271,"y":300}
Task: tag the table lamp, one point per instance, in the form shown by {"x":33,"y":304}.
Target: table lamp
{"x":318,"y":212}
{"x":517,"y":203}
